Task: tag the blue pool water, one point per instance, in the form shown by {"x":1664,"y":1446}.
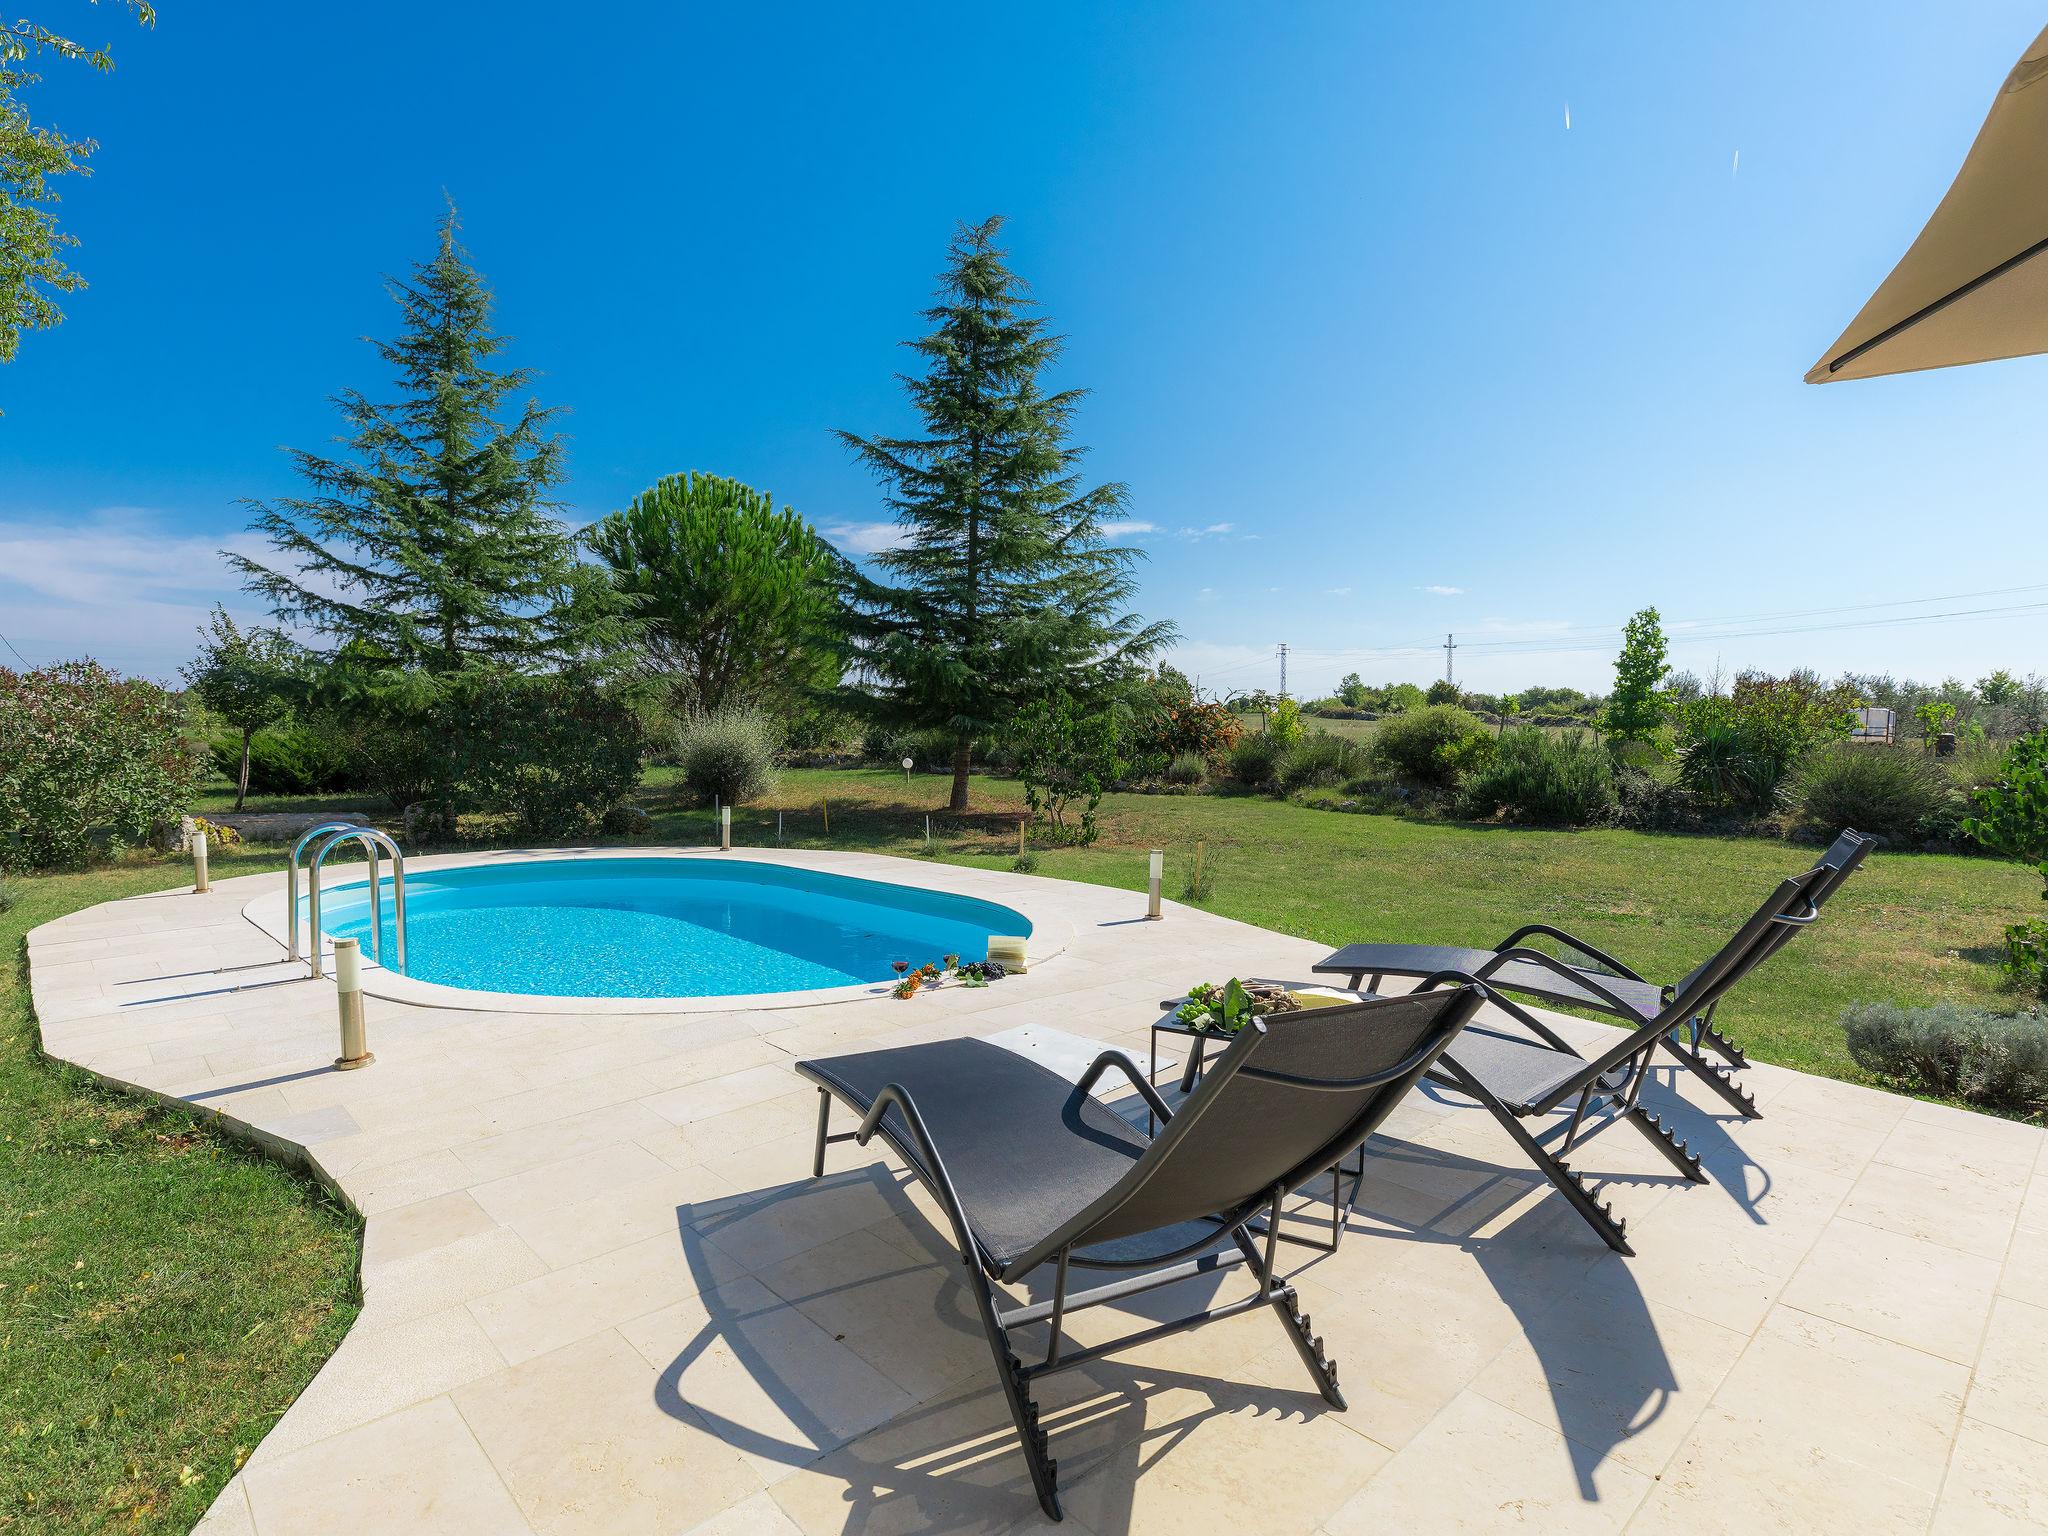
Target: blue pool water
{"x":636,"y":927}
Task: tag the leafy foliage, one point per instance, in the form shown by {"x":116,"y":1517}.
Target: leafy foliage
{"x":1636,"y":708}
{"x":1442,"y":691}
{"x":557,"y":752}
{"x":249,"y":678}
{"x":1188,"y":768}
{"x":1169,"y":721}
{"x":2012,"y":810}
{"x":1735,"y":749}
{"x":296,"y":758}
{"x":1284,"y":726}
{"x":1432,"y":746}
{"x":725,"y":600}
{"x":1895,"y":792}
{"x":728,"y":755}
{"x":1066,"y":753}
{"x":433,"y":543}
{"x":1005,"y":586}
{"x":1254,"y":761}
{"x":1997,"y":1060}
{"x":85,"y":752}
{"x":1543,"y":778}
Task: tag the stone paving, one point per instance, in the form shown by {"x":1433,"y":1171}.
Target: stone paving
{"x":603,"y":1295}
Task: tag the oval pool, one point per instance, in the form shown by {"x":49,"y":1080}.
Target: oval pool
{"x":652,"y":928}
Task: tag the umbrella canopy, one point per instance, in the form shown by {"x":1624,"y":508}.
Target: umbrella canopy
{"x":1974,"y":286}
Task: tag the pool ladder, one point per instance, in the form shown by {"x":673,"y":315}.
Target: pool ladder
{"x":332,"y":835}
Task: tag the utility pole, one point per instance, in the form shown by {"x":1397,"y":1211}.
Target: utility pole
{"x":1450,"y":645}
{"x":1283,"y":669}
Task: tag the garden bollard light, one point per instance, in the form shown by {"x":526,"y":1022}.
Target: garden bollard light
{"x":825,"y":807}
{"x":725,"y":828}
{"x":927,"y":829}
{"x":348,"y":987}
{"x":199,"y":881}
{"x":1158,"y":863}
{"x":778,"y":829}
{"x":1021,"y":825}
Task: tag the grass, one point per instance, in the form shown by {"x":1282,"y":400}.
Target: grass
{"x":1910,"y":928}
{"x":164,"y":1293}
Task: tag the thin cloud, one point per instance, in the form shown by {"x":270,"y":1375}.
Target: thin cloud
{"x":866,"y":538}
{"x":1128,"y":527}
{"x":1336,"y":591}
{"x":1212,"y":531}
{"x":1442,"y":591}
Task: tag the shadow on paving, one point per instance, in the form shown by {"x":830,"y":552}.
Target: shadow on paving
{"x":951,"y":1461}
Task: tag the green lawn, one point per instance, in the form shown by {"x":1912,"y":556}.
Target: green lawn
{"x":1909,"y":927}
{"x":164,"y":1294}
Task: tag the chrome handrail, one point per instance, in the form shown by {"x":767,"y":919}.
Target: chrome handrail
{"x":291,"y":887}
{"x":372,"y":840}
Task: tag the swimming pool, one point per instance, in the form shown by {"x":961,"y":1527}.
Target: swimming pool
{"x":663,"y":927}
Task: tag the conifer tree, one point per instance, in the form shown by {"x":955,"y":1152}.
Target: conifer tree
{"x":1004,"y":588}
{"x":430,"y":543}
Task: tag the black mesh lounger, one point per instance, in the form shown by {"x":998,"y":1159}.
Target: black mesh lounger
{"x":1605,"y":986}
{"x":1519,"y":1077}
{"x":1032,"y":1170}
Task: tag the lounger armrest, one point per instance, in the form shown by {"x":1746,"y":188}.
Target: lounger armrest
{"x":1598,"y":956}
{"x":1129,"y":1068}
{"x":1500,"y":1000}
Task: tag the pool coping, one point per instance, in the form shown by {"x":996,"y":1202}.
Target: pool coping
{"x":1052,"y":933}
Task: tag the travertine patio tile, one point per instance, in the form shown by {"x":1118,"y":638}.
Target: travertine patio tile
{"x":1997,"y":1485}
{"x":2026,"y":1266}
{"x":561,"y":1307}
{"x":657,"y":1206}
{"x":953,"y":1465}
{"x":1817,"y":1388}
{"x":229,"y":1514}
{"x":716,"y":1095}
{"x":1850,"y":1103}
{"x":481,"y":1264}
{"x":1209,"y":1456}
{"x":762,"y":1376}
{"x":800,"y":1212}
{"x":579,"y":1176}
{"x":379,"y":1371}
{"x":402,"y":1183}
{"x":413,"y":1229}
{"x":1512,"y":1473}
{"x":1619,"y":1375}
{"x":910,"y":1318}
{"x":1974,"y":1215}
{"x":735,"y":1131}
{"x":515,"y":1152}
{"x":591,"y":1441}
{"x":2010,"y":1388}
{"x":418,"y":1470}
{"x":758,"y":1516}
{"x":1904,"y":1289}
{"x":1943,"y":1149}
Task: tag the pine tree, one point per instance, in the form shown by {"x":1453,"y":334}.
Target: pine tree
{"x":431,"y":544}
{"x":1004,"y":589}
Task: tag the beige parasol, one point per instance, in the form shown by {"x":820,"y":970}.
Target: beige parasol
{"x":1974,"y":285}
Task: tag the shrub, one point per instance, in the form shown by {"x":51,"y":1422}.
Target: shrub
{"x":729,"y":755}
{"x":1318,"y":761}
{"x":1188,"y":768}
{"x":299,"y":758}
{"x":1025,"y":863}
{"x":556,"y":752}
{"x":1285,"y":726}
{"x":1565,"y":779}
{"x":1066,"y":753}
{"x":1649,"y":802}
{"x":1896,"y":792}
{"x":1253,"y":761}
{"x":84,"y":753}
{"x":1735,"y":749}
{"x":2012,"y":810}
{"x":1997,"y":1060}
{"x":7,"y":897}
{"x":1432,"y":745}
{"x":2026,"y":956}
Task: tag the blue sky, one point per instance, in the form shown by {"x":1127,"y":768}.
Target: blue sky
{"x":1382,"y":347}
